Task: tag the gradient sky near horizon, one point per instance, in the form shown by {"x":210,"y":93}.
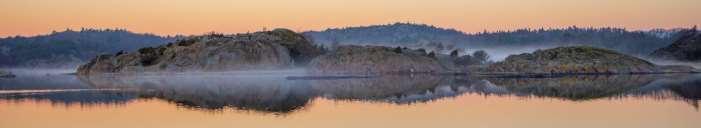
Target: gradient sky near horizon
{"x":170,"y":17}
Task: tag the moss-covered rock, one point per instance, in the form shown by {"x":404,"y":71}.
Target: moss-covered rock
{"x":578,"y":60}
{"x":374,"y":60}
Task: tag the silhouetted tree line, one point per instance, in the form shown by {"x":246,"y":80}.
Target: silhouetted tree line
{"x":631,"y":42}
{"x":397,"y":33}
{"x":69,"y":48}
{"x":421,"y":35}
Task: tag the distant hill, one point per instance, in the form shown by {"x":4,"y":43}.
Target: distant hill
{"x":686,"y":48}
{"x":427,"y":36}
{"x":639,"y":43}
{"x":70,"y":48}
{"x":390,"y":34}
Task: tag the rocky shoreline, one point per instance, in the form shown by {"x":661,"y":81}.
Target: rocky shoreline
{"x":579,"y":60}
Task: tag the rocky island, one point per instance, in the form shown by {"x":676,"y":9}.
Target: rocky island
{"x":686,"y":48}
{"x":375,"y":60}
{"x":579,"y":60}
{"x":277,"y":49}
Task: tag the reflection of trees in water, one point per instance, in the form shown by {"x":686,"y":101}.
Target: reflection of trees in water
{"x":265,"y":94}
{"x":75,"y":98}
{"x":259,"y":97}
{"x":667,"y":94}
{"x":403,"y":89}
{"x":691,"y":94}
{"x":574,"y":87}
{"x":278,"y":95}
{"x":689,"y":89}
{"x":684,"y":88}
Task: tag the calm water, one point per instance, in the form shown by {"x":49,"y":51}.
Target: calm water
{"x":38,"y":99}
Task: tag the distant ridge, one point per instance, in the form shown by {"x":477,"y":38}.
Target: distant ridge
{"x":686,"y":48}
{"x":389,"y":34}
{"x":431,"y":37}
{"x":69,"y":48}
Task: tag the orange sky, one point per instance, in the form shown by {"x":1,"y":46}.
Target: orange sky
{"x":168,"y":17}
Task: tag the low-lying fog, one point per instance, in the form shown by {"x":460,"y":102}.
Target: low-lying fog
{"x":40,"y":71}
{"x":497,"y":54}
{"x":692,"y":64}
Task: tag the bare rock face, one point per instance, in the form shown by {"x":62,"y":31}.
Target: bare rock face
{"x":375,"y":60}
{"x":686,"y":48}
{"x":300,"y":49}
{"x":275,"y":49}
{"x":579,"y":60}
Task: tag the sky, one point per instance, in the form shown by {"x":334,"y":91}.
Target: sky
{"x":171,"y":17}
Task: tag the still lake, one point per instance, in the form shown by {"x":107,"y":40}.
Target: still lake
{"x":40,"y":99}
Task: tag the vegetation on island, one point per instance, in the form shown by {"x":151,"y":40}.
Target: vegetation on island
{"x":579,"y":60}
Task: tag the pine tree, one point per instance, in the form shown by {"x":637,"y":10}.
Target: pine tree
{"x":454,"y":53}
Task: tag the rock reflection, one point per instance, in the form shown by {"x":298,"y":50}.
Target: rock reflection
{"x":403,"y":89}
{"x":378,"y":88}
{"x":685,"y":88}
{"x":574,"y":87}
{"x":682,"y":87}
{"x":275,"y":94}
{"x":264,"y":94}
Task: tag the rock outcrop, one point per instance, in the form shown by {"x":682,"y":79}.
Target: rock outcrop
{"x":579,"y":60}
{"x":275,"y":49}
{"x":375,"y":60}
{"x":6,"y":74}
{"x":686,"y":48}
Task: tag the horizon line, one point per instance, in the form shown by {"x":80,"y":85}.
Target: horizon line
{"x":347,"y":27}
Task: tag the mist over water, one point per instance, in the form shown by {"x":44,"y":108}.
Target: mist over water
{"x":500,"y":53}
{"x":266,"y":87}
{"x":269,"y":95}
{"x":668,"y":62}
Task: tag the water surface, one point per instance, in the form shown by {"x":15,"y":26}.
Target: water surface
{"x":255,"y":100}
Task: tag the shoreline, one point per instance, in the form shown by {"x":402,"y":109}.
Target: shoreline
{"x":331,"y":76}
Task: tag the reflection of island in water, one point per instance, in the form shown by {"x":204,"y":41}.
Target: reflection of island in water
{"x":279,"y":95}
